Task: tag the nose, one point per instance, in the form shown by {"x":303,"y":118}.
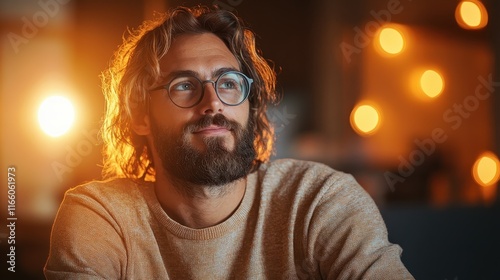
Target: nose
{"x":210,"y":104}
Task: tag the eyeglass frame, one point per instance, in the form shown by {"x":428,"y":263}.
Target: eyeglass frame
{"x":248,"y":80}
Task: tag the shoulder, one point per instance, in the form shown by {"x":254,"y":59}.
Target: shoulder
{"x":118,"y":185}
{"x":291,"y":172}
{"x":309,"y":184}
{"x":114,"y":192}
{"x":118,"y":203}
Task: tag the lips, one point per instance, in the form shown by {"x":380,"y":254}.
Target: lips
{"x":212,"y":129}
{"x":211,"y":125}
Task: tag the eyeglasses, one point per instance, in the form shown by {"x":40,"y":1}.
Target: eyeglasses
{"x":232,"y":88}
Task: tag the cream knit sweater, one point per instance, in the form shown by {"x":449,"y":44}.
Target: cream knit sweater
{"x":297,"y":220}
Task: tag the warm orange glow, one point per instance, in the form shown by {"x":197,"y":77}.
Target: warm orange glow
{"x":431,"y":83}
{"x":391,"y":40}
{"x":471,"y":14}
{"x":56,"y":115}
{"x":486,"y":169}
{"x":365,"y":119}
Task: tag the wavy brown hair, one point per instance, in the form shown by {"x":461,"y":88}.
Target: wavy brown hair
{"x":135,"y":68}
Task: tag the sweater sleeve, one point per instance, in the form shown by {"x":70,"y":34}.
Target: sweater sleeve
{"x":348,"y":237}
{"x":86,"y":242}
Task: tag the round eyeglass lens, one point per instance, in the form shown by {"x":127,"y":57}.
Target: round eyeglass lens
{"x":232,"y":88}
{"x":185,"y":91}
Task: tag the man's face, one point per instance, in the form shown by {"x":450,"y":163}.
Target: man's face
{"x":210,"y":143}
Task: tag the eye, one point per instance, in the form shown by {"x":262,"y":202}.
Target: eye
{"x":184,"y":84}
{"x":230,"y":81}
{"x":228,"y":84}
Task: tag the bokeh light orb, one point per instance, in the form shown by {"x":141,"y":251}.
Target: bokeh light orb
{"x":486,"y":169}
{"x":431,"y":83}
{"x":365,"y":119}
{"x":471,"y":14}
{"x":56,"y":115}
{"x":391,"y":40}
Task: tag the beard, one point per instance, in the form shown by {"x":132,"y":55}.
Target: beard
{"x":215,"y":165}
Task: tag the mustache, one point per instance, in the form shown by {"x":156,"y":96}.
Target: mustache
{"x":208,"y":120}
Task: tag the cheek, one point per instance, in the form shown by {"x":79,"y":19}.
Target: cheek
{"x":167,"y":117}
{"x":243,"y":113}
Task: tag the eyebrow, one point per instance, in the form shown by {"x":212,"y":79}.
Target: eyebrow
{"x":190,"y":73}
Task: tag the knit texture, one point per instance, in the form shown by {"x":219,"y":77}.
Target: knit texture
{"x":297,"y":220}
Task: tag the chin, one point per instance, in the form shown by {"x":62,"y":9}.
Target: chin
{"x":215,"y":141}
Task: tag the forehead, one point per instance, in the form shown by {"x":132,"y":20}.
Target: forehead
{"x":201,"y":53}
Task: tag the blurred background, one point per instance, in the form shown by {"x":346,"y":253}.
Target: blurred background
{"x":402,"y":94}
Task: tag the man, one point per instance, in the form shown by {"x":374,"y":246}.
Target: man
{"x":190,"y":192}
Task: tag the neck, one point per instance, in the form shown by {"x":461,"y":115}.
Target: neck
{"x":198,"y":206}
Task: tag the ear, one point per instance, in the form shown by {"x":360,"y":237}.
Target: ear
{"x":142,"y":126}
